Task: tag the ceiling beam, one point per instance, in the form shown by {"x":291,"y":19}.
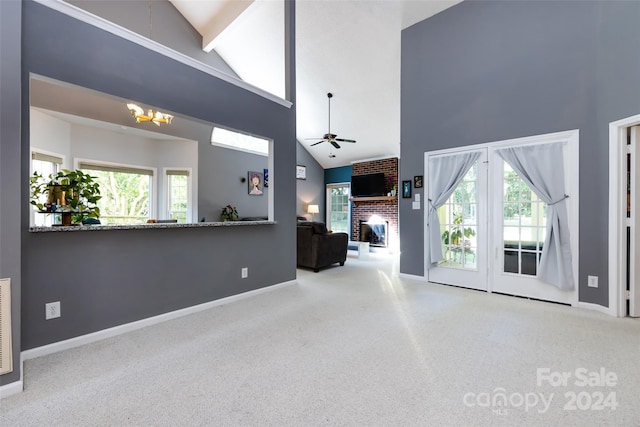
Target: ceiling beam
{"x":224,"y":17}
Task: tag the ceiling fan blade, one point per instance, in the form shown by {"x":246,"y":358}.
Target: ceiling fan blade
{"x":309,"y":139}
{"x":335,"y":144}
{"x":345,"y":140}
{"x":316,"y":143}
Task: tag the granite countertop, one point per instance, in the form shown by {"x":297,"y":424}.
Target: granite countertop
{"x":146,"y":226}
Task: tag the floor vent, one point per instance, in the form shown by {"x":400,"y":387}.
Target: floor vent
{"x":6,"y":353}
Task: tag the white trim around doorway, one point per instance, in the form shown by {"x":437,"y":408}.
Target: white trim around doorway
{"x":617,"y":213}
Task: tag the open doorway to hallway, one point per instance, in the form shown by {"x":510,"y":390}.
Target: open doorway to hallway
{"x":624,"y":217}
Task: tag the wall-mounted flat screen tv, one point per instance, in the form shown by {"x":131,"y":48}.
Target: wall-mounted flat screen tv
{"x":367,"y":185}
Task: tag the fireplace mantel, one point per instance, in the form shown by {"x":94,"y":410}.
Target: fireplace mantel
{"x":357,"y":200}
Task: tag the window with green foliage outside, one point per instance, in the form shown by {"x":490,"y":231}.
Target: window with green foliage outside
{"x":125,"y":192}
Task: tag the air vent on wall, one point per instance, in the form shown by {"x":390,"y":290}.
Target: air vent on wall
{"x":6,"y":353}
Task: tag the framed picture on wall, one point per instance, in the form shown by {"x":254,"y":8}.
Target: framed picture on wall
{"x":301,"y":172}
{"x":417,"y":181}
{"x":256,"y":181}
{"x":406,"y":189}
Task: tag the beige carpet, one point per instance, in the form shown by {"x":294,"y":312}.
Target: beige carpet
{"x":349,"y":346}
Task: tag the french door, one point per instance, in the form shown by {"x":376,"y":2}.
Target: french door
{"x":463,"y":229}
{"x":338,"y":208}
{"x":493,"y":226}
{"x":519,"y":224}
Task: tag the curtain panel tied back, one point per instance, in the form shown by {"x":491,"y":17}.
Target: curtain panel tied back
{"x":445,"y":173}
{"x":541,"y":168}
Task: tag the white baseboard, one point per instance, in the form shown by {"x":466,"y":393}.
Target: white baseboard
{"x":412,"y":277}
{"x":10,"y":389}
{"x":596,"y":307}
{"x":139,"y":324}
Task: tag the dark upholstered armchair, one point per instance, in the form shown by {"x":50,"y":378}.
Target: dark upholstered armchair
{"x":317,"y":248}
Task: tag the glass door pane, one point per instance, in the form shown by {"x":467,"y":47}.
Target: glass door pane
{"x":463,"y":229}
{"x":338,"y":214}
{"x":459,"y":224}
{"x":523,"y":226}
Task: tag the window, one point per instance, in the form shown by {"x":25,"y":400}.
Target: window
{"x":239,"y":141}
{"x":339,"y":217}
{"x":524,"y":227}
{"x":178,"y":206}
{"x":45,"y":165}
{"x":126,"y":192}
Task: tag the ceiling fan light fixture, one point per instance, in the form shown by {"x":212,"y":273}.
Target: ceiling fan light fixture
{"x":329,"y":137}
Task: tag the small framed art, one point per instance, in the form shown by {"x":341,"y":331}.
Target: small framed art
{"x":417,"y":181}
{"x":301,"y":172}
{"x":256,"y":180}
{"x":406,"y":189}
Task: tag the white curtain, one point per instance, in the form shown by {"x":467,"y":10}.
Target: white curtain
{"x":445,"y":173}
{"x":541,"y":168}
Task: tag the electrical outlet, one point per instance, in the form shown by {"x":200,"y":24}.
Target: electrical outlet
{"x":52,"y":310}
{"x":245,"y":272}
{"x":592,"y":281}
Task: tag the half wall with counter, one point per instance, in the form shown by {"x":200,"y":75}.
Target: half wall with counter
{"x":105,"y":276}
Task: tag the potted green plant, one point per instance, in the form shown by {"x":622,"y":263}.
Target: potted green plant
{"x":229,"y":213}
{"x":73,"y":193}
{"x":458,"y":232}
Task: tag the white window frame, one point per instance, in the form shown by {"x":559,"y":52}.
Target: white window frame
{"x":328,"y":204}
{"x":165,"y":208}
{"x":32,"y":212}
{"x":244,"y":137}
{"x":153,"y":208}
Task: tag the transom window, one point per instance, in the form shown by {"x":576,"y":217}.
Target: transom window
{"x":239,"y":141}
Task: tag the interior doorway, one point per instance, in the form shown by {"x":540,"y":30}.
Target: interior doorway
{"x":624,"y":217}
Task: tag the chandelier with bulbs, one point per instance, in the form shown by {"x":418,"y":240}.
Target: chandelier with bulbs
{"x":156,"y":117}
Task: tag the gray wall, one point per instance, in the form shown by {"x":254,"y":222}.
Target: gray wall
{"x":220,"y":182}
{"x":168,"y":26}
{"x":10,"y":172}
{"x":489,"y":71}
{"x":110,"y":278}
{"x":311,"y":190}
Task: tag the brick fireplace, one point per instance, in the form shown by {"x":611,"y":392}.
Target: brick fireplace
{"x":384,"y":210}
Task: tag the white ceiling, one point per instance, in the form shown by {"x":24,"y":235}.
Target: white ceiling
{"x":350,"y":48}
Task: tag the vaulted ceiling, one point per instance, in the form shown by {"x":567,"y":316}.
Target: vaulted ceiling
{"x":350,"y":48}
